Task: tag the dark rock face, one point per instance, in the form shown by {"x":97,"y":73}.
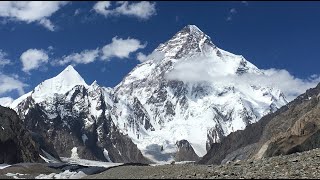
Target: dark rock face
{"x":293,"y":128}
{"x":46,"y":147}
{"x":16,"y":143}
{"x":120,"y":147}
{"x":185,"y":152}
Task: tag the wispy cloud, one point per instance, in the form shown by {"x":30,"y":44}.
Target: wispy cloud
{"x":77,"y":12}
{"x":142,"y":10}
{"x":154,"y":56}
{"x":3,"y":59}
{"x":246,"y":3}
{"x":84,"y":57}
{"x":31,"y":11}
{"x":231,"y":13}
{"x":177,"y":18}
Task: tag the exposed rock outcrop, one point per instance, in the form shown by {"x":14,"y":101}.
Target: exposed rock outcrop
{"x":17,"y":144}
{"x":293,"y":128}
{"x":185,"y":152}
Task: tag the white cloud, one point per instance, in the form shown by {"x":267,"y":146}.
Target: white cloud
{"x":203,"y":69}
{"x":141,"y":57}
{"x":101,"y":7}
{"x":193,"y":70}
{"x":3,"y":59}
{"x":10,"y":83}
{"x":154,"y":56}
{"x":33,"y":58}
{"x":142,"y":10}
{"x":47,"y":23}
{"x":291,"y":86}
{"x":84,"y":57}
{"x":6,"y":101}
{"x":31,"y":11}
{"x":121,"y":48}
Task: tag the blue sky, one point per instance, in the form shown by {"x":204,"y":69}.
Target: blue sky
{"x":280,"y":35}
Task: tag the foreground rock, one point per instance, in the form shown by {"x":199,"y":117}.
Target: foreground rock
{"x":298,"y":165}
{"x":17,"y":143}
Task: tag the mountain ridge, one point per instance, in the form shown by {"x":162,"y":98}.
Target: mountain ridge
{"x":156,"y":112}
{"x":293,"y":128}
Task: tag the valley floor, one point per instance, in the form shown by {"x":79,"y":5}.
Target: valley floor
{"x":298,"y":165}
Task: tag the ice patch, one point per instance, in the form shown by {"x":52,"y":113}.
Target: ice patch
{"x":48,"y":158}
{"x":106,"y":155}
{"x":64,"y":175}
{"x":3,"y":166}
{"x":86,"y":162}
{"x":166,"y":163}
{"x":74,"y":153}
{"x":15,"y":175}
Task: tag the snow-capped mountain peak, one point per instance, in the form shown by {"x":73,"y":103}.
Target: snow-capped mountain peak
{"x":59,"y":84}
{"x":95,"y":83}
{"x":70,"y":77}
{"x":196,"y":92}
{"x":188,"y":40}
{"x":192,"y":29}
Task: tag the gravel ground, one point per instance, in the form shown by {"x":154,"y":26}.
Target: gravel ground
{"x":26,"y":171}
{"x":299,"y":165}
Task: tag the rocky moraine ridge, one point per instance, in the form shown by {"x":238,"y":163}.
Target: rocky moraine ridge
{"x":295,"y":166}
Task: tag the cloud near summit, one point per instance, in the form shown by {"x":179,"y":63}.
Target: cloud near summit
{"x":202,"y":69}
